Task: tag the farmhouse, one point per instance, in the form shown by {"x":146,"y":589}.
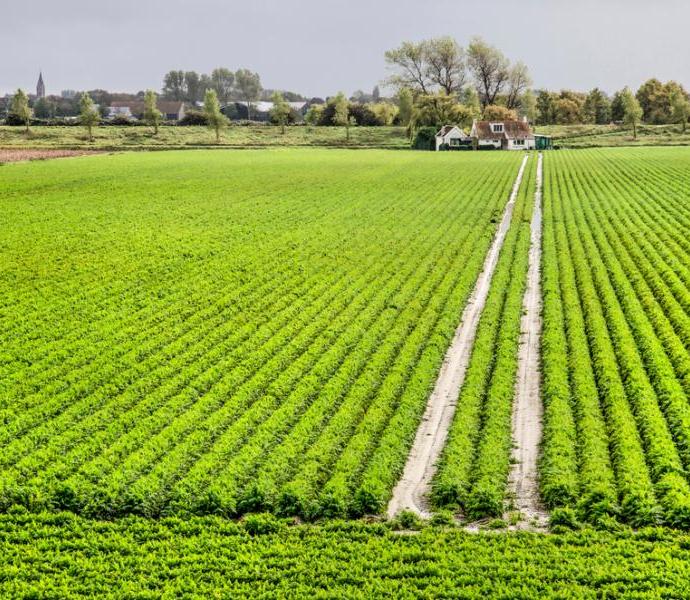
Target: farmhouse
{"x":452,"y":138}
{"x":172,"y":110}
{"x":502,"y":135}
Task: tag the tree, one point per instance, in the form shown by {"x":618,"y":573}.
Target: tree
{"x":436,"y":110}
{"x":204,"y":84}
{"x":173,"y":85}
{"x":358,"y":96}
{"x":385,"y":112}
{"x":314,"y":114}
{"x":249,"y":87}
{"x":632,"y":110}
{"x":280,"y":112}
{"x":409,"y":62}
{"x":376,"y":94}
{"x":192,"y":86}
{"x":19,"y":108}
{"x":617,"y":108}
{"x":519,"y":81}
{"x":429,"y":65}
{"x":363,"y":114}
{"x":470,"y":99}
{"x":680,"y":108}
{"x":152,"y":115}
{"x":528,"y":106}
{"x":569,"y":107}
{"x":341,"y":112}
{"x":88,"y":114}
{"x":597,"y":108}
{"x":567,"y":111}
{"x":654,"y":99}
{"x":405,"y":102}
{"x":494,"y":112}
{"x":214,"y":117}
{"x":546,"y":107}
{"x":44,"y":108}
{"x":445,"y":64}
{"x":222,"y":81}
{"x":490,"y":69}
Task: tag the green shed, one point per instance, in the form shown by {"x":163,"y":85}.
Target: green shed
{"x":542,"y":142}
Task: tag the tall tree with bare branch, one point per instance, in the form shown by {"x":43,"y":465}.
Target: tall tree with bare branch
{"x":409,"y":62}
{"x":490,"y":69}
{"x":519,"y":82}
{"x":445,"y":64}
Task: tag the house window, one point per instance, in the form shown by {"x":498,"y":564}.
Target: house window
{"x":497,"y":127}
{"x":519,"y":142}
{"x":454,"y":141}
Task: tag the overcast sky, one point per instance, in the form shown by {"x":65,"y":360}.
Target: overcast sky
{"x":318,"y":47}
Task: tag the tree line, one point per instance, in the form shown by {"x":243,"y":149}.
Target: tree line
{"x":660,"y":103}
{"x":190,"y":86}
{"x":452,"y":84}
{"x":435,"y":82}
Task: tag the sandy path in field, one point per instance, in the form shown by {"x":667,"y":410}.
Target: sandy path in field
{"x":527,"y":408}
{"x":411,"y":491}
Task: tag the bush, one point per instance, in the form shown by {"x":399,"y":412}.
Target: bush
{"x":407,"y":520}
{"x":565,"y":518}
{"x":425,"y":139}
{"x":363,"y":115}
{"x":443,"y":518}
{"x":14,"y":120}
{"x":120,"y":120}
{"x":194,"y":117}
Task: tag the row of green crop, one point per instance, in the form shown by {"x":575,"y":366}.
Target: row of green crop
{"x":594,"y":266}
{"x":63,"y":556}
{"x":474,"y":465}
{"x":264,"y":339}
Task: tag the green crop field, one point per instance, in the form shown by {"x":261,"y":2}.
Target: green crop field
{"x":213,"y":365}
{"x":228,"y":332}
{"x":617,"y":333}
{"x":63,"y":556}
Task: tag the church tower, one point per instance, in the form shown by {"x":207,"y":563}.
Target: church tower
{"x":40,"y":87}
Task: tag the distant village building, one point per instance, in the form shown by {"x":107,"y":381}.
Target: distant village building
{"x":40,"y":87}
{"x":134,"y":109}
{"x":502,"y":135}
{"x":451,"y":137}
{"x":261,"y":111}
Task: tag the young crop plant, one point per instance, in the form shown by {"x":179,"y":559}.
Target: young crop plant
{"x":474,"y":466}
{"x":265,"y":338}
{"x":616,"y":238}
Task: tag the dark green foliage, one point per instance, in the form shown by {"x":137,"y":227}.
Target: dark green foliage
{"x":425,"y":139}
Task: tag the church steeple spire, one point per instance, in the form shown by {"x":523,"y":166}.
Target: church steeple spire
{"x":40,"y":86}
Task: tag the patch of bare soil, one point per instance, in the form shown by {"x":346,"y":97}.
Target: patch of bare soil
{"x":8,"y":155}
{"x":412,"y":489}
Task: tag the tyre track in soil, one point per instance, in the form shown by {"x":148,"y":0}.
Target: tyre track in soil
{"x":412,"y":489}
{"x":523,"y":482}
